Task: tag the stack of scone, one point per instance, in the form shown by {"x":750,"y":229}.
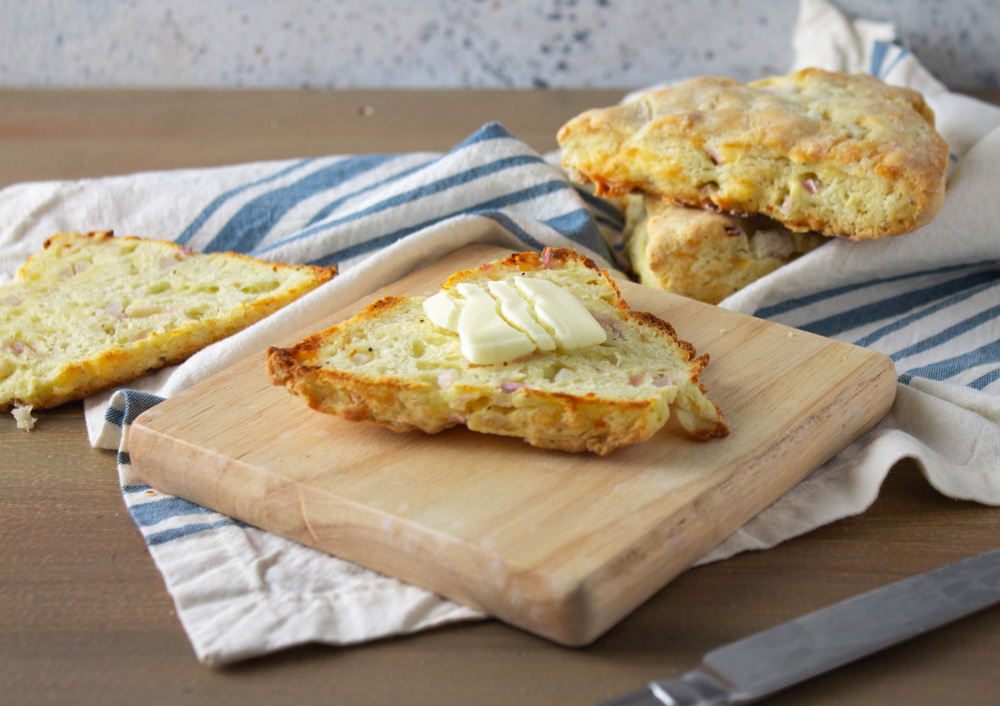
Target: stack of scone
{"x":723,"y":182}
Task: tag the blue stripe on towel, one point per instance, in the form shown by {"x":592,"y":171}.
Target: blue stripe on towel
{"x":114,"y":416}
{"x":580,"y":227}
{"x":252,"y":222}
{"x":436,"y":187}
{"x":135,"y":404}
{"x":602,"y":206}
{"x":903,"y":53}
{"x":873,"y":337}
{"x":878,"y":56}
{"x":895,"y":305}
{"x":508,"y":224}
{"x":375,"y":244}
{"x":920,"y":317}
{"x":219,"y":200}
{"x":950,"y":367}
{"x":484,"y":208}
{"x":187,"y":530}
{"x":880,"y":51}
{"x":329,"y":208}
{"x":490,"y":131}
{"x":788,"y":305}
{"x":987,"y":379}
{"x":949,"y":333}
{"x":156,"y":511}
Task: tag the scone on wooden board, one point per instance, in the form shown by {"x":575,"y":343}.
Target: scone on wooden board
{"x":606,"y":379}
{"x":91,"y":311}
{"x":839,"y":154}
{"x":704,"y":254}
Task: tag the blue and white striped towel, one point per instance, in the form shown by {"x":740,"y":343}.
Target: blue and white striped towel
{"x":929,"y":299}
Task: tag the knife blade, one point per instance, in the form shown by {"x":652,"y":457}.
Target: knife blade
{"x":767,"y":662}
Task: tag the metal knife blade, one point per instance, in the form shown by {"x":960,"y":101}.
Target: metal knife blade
{"x":760,"y":665}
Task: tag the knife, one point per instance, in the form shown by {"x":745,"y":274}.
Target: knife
{"x":767,"y":662}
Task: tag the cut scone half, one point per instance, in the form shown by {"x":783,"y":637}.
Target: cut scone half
{"x":607,"y":378}
{"x":703,"y":254}
{"x":839,"y":154}
{"x":92,"y":311}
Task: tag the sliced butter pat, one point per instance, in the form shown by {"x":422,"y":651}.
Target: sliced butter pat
{"x":517,"y":311}
{"x":499,"y":328}
{"x":485,"y":337}
{"x":443,"y":310}
{"x":571,"y":324}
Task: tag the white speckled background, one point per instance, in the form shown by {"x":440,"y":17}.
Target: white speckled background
{"x":453,"y":44}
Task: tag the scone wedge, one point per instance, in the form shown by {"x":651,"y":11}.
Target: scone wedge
{"x":838,"y":154}
{"x":92,"y":310}
{"x":703,"y":254}
{"x":390,"y":364}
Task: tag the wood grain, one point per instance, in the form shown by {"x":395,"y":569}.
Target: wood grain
{"x":563,"y":545}
{"x":72,"y":133}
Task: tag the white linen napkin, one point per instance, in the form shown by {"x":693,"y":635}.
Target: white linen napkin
{"x":929,"y":299}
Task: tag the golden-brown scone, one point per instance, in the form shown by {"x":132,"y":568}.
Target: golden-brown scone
{"x":391,"y":365}
{"x":91,"y":311}
{"x":844,"y":155}
{"x":703,"y":254}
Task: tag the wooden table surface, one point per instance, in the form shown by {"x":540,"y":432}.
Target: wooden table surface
{"x":85,"y":617}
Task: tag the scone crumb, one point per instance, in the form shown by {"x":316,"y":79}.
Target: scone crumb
{"x":22,"y":413}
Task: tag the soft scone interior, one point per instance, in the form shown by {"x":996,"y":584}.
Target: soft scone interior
{"x":92,"y":310}
{"x":391,"y":365}
{"x":704,"y":254}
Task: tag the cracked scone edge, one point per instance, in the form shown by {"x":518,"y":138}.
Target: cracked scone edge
{"x":91,"y":311}
{"x":843,"y":155}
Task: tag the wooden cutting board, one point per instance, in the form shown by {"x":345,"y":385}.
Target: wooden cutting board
{"x":562,"y":545}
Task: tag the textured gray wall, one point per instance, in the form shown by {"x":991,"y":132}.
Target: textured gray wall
{"x":453,"y":44}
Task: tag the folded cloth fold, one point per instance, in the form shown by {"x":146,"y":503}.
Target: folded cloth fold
{"x":928,"y":299}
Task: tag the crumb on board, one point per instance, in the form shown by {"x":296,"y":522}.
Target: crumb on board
{"x":22,"y":414}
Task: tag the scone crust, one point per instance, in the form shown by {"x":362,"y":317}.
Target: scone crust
{"x":844,"y":155}
{"x":37,"y":370}
{"x":546,"y":418}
